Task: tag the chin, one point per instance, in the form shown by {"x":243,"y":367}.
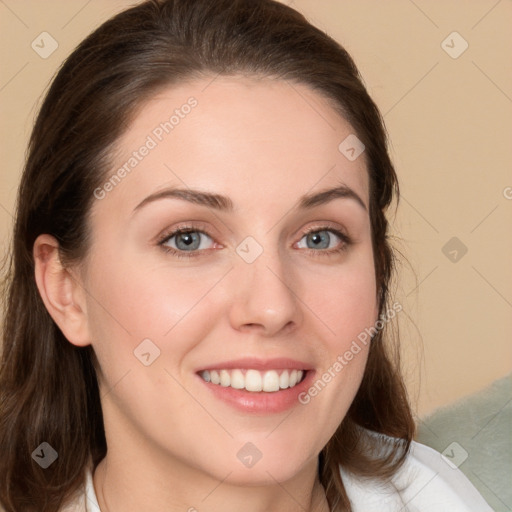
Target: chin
{"x":253,"y":467}
{"x":262,"y":475}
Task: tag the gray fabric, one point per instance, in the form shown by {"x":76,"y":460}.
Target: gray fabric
{"x":481,"y":427}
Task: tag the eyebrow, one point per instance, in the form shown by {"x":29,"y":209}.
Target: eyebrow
{"x":318,"y":198}
{"x":223,"y":203}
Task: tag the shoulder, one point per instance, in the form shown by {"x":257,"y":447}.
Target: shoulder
{"x":425,"y":483}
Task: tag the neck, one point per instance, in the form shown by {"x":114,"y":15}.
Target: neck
{"x":130,"y":488}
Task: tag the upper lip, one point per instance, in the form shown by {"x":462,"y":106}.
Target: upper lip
{"x":279,"y":363}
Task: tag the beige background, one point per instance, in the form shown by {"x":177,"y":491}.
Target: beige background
{"x":450,"y":123}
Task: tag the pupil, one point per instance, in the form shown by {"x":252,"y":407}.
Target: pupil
{"x":320,"y":239}
{"x":186,"y":240}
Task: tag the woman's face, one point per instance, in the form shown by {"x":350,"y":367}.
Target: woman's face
{"x":270,"y":281}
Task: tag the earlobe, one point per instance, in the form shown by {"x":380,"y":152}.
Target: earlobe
{"x":61,"y":291}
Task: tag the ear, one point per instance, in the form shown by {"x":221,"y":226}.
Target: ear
{"x":61,"y":291}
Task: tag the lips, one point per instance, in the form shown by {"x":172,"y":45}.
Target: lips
{"x":255,"y":385}
{"x":253,"y":380}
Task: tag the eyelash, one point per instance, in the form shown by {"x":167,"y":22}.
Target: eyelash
{"x":345,"y":241}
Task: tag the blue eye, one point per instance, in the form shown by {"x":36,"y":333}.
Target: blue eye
{"x":318,"y":240}
{"x":328,"y":240}
{"x":187,"y":240}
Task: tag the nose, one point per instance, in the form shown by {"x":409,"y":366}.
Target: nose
{"x":264,"y":300}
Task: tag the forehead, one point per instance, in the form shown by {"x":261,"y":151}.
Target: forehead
{"x":238,"y":136}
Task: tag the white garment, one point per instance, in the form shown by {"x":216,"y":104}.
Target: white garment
{"x":425,"y":483}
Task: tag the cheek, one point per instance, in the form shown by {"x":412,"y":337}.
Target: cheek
{"x":344,"y":299}
{"x":345,"y":302}
{"x":131,"y":300}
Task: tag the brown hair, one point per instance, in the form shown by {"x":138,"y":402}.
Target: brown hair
{"x":48,"y":387}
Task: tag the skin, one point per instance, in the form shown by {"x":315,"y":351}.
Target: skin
{"x":172,"y":445}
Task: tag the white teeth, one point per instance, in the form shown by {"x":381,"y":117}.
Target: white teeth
{"x":254,"y":380}
{"x":271,"y":381}
{"x":225,"y":379}
{"x":214,"y":377}
{"x":284,"y":380}
{"x":237,"y":379}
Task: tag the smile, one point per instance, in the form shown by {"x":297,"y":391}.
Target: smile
{"x":255,"y":381}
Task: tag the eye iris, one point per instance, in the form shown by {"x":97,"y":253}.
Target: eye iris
{"x":319,"y":239}
{"x":187,"y":241}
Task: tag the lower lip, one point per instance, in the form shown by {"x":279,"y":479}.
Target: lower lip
{"x":261,"y":402}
